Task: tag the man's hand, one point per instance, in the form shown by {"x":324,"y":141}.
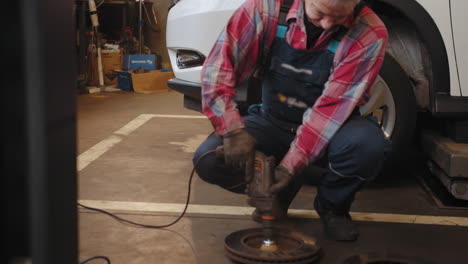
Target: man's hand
{"x":239,"y":148}
{"x":282,"y":179}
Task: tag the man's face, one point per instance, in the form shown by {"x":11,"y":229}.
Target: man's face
{"x":328,"y":13}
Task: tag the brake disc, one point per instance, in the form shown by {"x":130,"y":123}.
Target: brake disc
{"x":245,"y":246}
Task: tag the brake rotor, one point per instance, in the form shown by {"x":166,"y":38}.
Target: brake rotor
{"x":247,"y":246}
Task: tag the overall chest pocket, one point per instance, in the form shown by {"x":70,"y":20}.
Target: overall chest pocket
{"x":303,"y":66}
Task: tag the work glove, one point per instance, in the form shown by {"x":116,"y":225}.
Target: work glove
{"x":282,"y":179}
{"x":239,"y":148}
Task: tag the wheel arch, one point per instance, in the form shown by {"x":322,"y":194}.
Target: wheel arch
{"x":434,"y":76}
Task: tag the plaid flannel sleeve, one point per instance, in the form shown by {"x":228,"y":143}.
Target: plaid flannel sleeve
{"x":351,"y":78}
{"x":232,"y":60}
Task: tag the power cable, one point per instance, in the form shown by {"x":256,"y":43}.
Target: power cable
{"x":144,"y":225}
{"x":158,"y":226}
{"x":96,"y":257}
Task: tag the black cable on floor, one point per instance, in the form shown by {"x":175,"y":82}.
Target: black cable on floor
{"x":96,"y":257}
{"x":157,"y":226}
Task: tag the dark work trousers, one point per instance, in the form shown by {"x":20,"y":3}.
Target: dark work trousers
{"x":353,"y":157}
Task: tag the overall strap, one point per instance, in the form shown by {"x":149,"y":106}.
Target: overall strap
{"x":284,"y":9}
{"x":281,"y":29}
{"x":282,"y":26}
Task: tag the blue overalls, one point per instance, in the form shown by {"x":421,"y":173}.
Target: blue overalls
{"x":293,"y":81}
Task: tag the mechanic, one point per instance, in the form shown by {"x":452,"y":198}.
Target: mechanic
{"x":316,"y":71}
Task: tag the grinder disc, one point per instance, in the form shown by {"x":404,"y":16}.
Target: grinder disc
{"x":244,"y":246}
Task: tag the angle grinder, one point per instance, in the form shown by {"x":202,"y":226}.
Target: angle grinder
{"x":268,"y":244}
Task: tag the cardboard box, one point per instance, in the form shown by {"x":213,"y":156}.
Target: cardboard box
{"x":151,"y":82}
{"x":111,"y":61}
{"x":133,"y":62}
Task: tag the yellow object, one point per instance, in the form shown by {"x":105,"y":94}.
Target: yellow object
{"x":282,"y":98}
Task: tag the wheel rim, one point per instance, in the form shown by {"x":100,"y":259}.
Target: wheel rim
{"x":382,"y":106}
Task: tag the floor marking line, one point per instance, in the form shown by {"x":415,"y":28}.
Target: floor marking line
{"x":93,"y":153}
{"x":177,"y":116}
{"x":296,"y":213}
{"x":168,"y":207}
{"x":133,"y":125}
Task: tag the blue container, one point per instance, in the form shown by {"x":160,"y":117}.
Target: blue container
{"x":133,"y":62}
{"x":125,"y":81}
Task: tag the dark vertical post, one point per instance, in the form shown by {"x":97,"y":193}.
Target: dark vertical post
{"x":50,"y":85}
{"x":13,"y":146}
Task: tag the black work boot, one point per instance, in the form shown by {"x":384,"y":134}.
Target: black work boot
{"x":338,"y":226}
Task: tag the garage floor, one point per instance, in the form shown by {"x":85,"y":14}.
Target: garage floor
{"x":135,"y":158}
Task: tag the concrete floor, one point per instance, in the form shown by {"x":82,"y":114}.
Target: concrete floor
{"x":135,"y":154}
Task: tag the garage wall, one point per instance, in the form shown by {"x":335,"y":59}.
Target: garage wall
{"x":156,"y":41}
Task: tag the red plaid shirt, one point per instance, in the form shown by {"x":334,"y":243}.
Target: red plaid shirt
{"x":234,"y":57}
